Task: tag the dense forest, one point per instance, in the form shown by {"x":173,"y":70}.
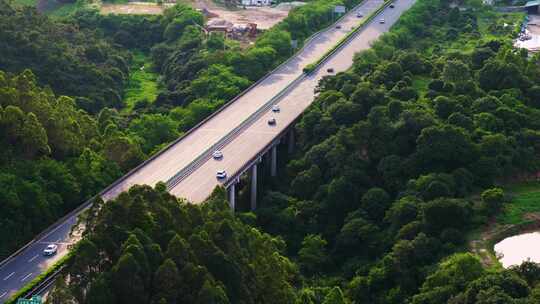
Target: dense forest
{"x":54,"y":156}
{"x":170,"y":251}
{"x":398,"y":159}
{"x":392,"y":152}
{"x":66,"y":129}
{"x":79,"y":63}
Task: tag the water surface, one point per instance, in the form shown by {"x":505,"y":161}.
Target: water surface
{"x":519,"y":248}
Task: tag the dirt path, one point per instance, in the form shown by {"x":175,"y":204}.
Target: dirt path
{"x":264,"y":17}
{"x":494,"y":232}
{"x":134,"y":8}
{"x":481,"y":245}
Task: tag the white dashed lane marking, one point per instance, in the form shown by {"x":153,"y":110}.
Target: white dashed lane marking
{"x":9,"y":276}
{"x":33,"y":258}
{"x":26,"y":276}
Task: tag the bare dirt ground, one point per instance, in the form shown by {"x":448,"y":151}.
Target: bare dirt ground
{"x":533,"y":28}
{"x":264,"y":17}
{"x":480,"y":245}
{"x":134,"y":8}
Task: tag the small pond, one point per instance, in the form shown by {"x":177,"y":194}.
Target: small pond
{"x":519,"y":248}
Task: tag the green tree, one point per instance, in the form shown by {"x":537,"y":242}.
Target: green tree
{"x":179,"y":251}
{"x":166,"y":280}
{"x":444,"y":147}
{"x":451,"y":277}
{"x":182,"y":16}
{"x":126,"y":281}
{"x":312,"y":255}
{"x":335,"y":296}
{"x":445,"y":213}
{"x":375,"y":202}
{"x":212,"y":294}
{"x":34,"y":137}
{"x":456,"y":71}
{"x":493,"y":200}
{"x":153,"y":130}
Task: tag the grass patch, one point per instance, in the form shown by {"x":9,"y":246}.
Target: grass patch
{"x":24,"y":2}
{"x":420,"y":84}
{"x":56,"y":9}
{"x":525,"y":198}
{"x":142,"y":81}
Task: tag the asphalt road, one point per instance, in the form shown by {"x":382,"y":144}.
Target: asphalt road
{"x":31,"y":262}
{"x":198,"y":185}
{"x":192,"y":145}
{"x":24,"y":267}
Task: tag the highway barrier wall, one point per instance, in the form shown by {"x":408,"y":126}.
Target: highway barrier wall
{"x":89,"y":202}
{"x":44,"y":279}
{"x":177,"y":178}
{"x":310,"y":68}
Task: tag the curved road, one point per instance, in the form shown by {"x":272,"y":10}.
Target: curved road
{"x":22,"y":268}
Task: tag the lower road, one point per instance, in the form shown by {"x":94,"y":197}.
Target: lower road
{"x":31,"y":262}
{"x":20,"y":269}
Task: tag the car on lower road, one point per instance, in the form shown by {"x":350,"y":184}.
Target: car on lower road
{"x":275,"y":108}
{"x":359,"y":15}
{"x":51,"y":249}
{"x":381,"y":21}
{"x":271,"y":121}
{"x":330,"y":70}
{"x":221,"y":174}
{"x":392,"y":6}
{"x":338,"y":26}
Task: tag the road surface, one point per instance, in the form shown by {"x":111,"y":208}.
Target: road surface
{"x":30,"y":263}
{"x":178,"y":156}
{"x":198,"y":185}
{"x":22,"y":268}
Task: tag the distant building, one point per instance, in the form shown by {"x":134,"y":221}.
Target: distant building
{"x":219,"y":25}
{"x":256,"y":2}
{"x":532,"y":7}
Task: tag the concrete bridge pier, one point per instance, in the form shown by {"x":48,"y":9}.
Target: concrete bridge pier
{"x":273,"y":167}
{"x":254,"y":187}
{"x":291,"y":141}
{"x":232,"y":196}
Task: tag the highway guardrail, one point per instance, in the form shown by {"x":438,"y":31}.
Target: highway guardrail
{"x":313,"y":67}
{"x":41,"y":282}
{"x":177,"y":178}
{"x":88,"y":202}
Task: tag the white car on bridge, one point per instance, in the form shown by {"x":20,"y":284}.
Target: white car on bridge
{"x":221,"y":174}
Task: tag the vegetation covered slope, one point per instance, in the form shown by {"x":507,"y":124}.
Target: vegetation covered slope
{"x":440,"y":108}
{"x":376,"y":204}
{"x":168,"y":251}
{"x":53,"y":157}
{"x":61,"y":150}
{"x":71,"y":61}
